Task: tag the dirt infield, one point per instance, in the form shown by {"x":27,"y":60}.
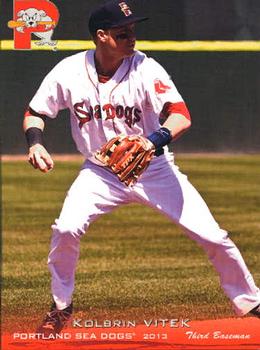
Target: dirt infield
{"x":79,"y":157}
{"x":57,"y":157}
{"x":231,"y":333}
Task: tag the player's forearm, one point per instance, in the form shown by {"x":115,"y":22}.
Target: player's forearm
{"x":177,"y":124}
{"x":33,"y":127}
{"x":33,"y":122}
{"x":38,"y":156}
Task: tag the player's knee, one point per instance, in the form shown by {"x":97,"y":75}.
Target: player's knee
{"x":215,"y":244}
{"x":218,"y":238}
{"x":68,"y":231}
{"x":212,"y":242}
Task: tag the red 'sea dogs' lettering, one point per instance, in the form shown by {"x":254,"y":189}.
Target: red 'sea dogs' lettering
{"x":110,"y":111}
{"x":83,"y":116}
{"x":97,"y":112}
{"x":131,"y":115}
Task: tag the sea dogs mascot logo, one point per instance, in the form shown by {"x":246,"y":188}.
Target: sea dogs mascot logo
{"x":38,"y":17}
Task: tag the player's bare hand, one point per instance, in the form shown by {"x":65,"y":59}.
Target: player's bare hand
{"x":40,"y":159}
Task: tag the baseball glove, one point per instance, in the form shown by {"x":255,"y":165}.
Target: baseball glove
{"x":127,"y":156}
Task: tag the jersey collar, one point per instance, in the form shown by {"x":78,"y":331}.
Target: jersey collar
{"x":119,"y":75}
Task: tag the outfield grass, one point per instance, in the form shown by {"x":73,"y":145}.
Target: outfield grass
{"x":134,"y":263}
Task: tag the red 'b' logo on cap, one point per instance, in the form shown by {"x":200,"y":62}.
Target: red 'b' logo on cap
{"x":125,"y":9}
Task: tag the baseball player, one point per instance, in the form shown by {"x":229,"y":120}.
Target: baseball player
{"x":124,"y":111}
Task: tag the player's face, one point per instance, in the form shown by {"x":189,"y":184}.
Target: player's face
{"x":121,"y":40}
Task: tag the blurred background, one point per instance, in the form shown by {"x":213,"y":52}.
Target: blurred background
{"x":221,"y":89}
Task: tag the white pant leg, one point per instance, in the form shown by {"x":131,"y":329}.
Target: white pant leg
{"x":94,"y":192}
{"x":163,"y":187}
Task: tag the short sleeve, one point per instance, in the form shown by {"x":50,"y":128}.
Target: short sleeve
{"x":49,"y":98}
{"x":159,"y":86}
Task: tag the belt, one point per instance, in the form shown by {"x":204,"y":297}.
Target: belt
{"x":159,"y":152}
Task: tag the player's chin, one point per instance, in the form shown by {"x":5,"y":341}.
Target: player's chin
{"x":129,"y":51}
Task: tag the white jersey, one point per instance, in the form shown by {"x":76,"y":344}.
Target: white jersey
{"x":129,"y":103}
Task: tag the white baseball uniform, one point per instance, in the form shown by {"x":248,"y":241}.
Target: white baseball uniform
{"x":129,"y":103}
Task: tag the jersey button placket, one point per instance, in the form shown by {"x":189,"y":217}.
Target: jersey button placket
{"x":107,"y":112}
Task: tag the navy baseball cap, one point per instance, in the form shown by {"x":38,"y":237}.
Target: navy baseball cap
{"x":112,"y":14}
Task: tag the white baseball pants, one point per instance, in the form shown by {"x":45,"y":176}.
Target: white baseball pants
{"x":97,"y":191}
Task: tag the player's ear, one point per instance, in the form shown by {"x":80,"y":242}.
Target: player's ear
{"x":101,"y":35}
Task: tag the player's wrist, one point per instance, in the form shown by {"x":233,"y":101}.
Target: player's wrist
{"x":34,"y":136}
{"x":160,"y":138}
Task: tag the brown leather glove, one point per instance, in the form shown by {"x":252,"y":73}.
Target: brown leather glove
{"x":127,"y":156}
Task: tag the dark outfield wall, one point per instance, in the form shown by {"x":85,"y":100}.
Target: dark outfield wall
{"x":169,"y":19}
{"x":221,"y":89}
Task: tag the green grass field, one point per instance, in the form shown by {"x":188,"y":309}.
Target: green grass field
{"x":134,"y":262}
